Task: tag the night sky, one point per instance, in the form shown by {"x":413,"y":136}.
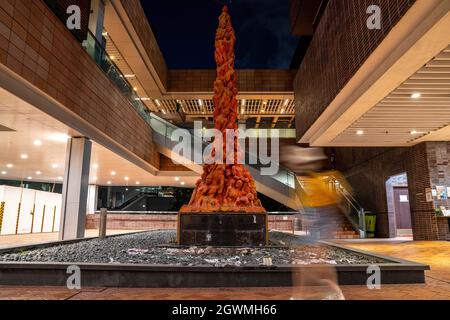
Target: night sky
{"x":185,"y":31}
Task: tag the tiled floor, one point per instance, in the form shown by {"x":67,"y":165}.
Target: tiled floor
{"x":436,"y":254}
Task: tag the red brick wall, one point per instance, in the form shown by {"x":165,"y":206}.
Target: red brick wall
{"x":36,"y":45}
{"x":140,"y":23}
{"x":368,"y":169}
{"x":166,"y":164}
{"x":152,"y":222}
{"x":247,"y":80}
{"x":341,"y":44}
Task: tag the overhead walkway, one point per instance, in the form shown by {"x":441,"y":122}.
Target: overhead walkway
{"x":280,"y":187}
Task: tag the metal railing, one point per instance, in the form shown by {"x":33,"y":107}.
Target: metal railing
{"x":351,"y":207}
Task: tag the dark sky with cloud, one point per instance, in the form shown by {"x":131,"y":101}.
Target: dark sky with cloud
{"x":185,"y":31}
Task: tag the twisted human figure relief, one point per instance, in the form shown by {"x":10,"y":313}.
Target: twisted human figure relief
{"x":226,"y":186}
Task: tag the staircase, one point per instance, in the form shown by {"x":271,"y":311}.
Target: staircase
{"x":336,"y":226}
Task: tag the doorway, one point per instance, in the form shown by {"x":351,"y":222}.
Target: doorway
{"x":399,"y":210}
{"x":402,"y":211}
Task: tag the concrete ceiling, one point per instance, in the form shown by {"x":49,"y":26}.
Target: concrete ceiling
{"x":35,"y":146}
{"x":401,"y":95}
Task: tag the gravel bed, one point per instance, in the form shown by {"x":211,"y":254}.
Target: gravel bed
{"x":158,"y":247}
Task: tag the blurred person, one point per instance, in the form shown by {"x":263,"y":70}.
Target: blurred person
{"x":320,"y":200}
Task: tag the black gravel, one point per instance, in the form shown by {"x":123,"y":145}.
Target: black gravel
{"x":158,"y":248}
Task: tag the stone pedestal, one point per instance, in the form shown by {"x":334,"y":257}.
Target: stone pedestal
{"x":222,"y":229}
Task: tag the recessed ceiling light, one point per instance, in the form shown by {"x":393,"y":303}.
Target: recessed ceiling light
{"x":112,"y":57}
{"x":135,"y":89}
{"x":138,"y":183}
{"x":177,"y":178}
{"x":24,"y":156}
{"x":9,"y":165}
{"x":95,"y":178}
{"x":129,"y":75}
{"x":30,"y":178}
{"x":95,"y":166}
{"x":37,"y":143}
{"x":413,"y":132}
{"x":113,"y":173}
{"x":416,"y":95}
{"x":38,"y":173}
{"x":126,"y":178}
{"x":54,"y":166}
{"x":109,"y":182}
{"x":4,"y":172}
{"x":60,"y":178}
{"x":182,"y":183}
{"x":360,"y":132}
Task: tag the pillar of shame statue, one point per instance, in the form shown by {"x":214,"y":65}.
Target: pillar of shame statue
{"x":225,"y":186}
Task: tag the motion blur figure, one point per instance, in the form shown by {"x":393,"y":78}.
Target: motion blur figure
{"x":320,"y":202}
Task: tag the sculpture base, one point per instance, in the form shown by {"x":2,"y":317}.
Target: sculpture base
{"x":223,"y":229}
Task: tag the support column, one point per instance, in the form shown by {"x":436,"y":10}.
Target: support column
{"x":75,"y":189}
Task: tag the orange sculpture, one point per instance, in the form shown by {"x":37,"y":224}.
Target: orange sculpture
{"x":225,"y":187}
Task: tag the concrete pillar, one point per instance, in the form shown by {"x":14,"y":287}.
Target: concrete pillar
{"x":75,"y":189}
{"x":92,"y":199}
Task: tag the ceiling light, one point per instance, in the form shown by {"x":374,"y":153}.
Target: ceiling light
{"x":9,"y":165}
{"x":360,"y":132}
{"x":282,"y":110}
{"x":416,"y":95}
{"x":135,"y":89}
{"x":95,"y":178}
{"x":113,"y":173}
{"x":177,"y":178}
{"x":182,"y":183}
{"x":95,"y":166}
{"x":59,"y":137}
{"x":158,"y":103}
{"x":60,"y":178}
{"x":24,"y":156}
{"x":413,"y":132}
{"x":112,"y":57}
{"x":129,"y":75}
{"x":30,"y":178}
{"x":138,"y":183}
{"x":54,"y":166}
{"x":37,"y":143}
{"x":4,"y":172}
{"x":126,"y":178}
{"x":109,"y":182}
{"x":38,"y":173}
